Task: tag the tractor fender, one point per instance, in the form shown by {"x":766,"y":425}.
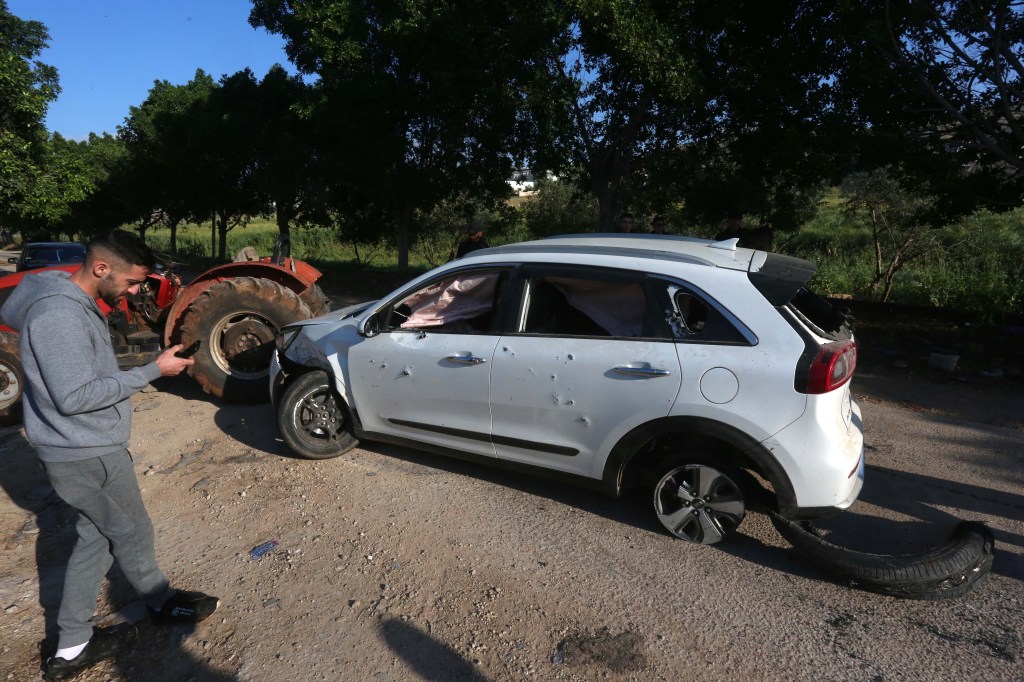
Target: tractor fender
{"x":294,"y":275}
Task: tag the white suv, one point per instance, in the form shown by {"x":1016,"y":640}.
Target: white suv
{"x":707,"y":371}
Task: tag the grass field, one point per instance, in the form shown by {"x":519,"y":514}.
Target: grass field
{"x":980,"y":267}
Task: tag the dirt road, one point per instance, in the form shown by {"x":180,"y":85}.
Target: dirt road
{"x":397,"y":565}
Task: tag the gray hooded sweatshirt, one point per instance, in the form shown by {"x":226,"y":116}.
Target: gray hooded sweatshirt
{"x":77,"y":401}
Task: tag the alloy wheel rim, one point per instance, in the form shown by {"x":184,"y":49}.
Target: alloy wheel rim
{"x":699,"y":503}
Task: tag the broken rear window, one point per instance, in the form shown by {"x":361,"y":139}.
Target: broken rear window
{"x":823,"y":318}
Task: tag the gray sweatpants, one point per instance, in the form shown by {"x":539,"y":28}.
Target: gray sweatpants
{"x":112,"y":524}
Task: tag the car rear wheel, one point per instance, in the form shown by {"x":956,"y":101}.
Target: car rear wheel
{"x":699,"y":502}
{"x":313,"y":420}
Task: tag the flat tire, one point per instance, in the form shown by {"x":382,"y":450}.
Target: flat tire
{"x":951,"y":569}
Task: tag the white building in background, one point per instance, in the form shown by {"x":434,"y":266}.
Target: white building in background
{"x":523,"y":180}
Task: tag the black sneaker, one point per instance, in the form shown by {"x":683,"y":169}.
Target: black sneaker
{"x":104,"y":644}
{"x":185,"y":608}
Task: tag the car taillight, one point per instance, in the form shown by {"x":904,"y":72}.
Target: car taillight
{"x":832,"y":367}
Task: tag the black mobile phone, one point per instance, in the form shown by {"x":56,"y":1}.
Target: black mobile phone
{"x":188,"y":352}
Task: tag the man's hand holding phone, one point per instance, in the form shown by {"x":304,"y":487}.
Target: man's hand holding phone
{"x":175,"y":359}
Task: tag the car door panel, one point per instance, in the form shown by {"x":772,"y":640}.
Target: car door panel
{"x":424,"y":386}
{"x":585,"y":367}
{"x":562,"y":403}
{"x":426,"y":376}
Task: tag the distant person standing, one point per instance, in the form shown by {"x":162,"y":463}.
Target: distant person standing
{"x":732,"y":228}
{"x":78,"y":418}
{"x":474,"y":240}
{"x":760,"y":238}
{"x":626,"y":223}
{"x":658,"y":225}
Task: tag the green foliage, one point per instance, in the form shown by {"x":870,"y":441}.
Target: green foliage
{"x":440,"y":230}
{"x":559,"y":208}
{"x":423,"y":97}
{"x":28,"y":170}
{"x":965,"y":58}
{"x":978,"y":265}
{"x":895,"y":217}
{"x":158,"y":180}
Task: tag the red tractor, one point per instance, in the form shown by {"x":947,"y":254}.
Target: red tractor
{"x":235,"y":309}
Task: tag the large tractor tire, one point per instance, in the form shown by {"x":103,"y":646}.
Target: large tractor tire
{"x":12,"y":380}
{"x":237,"y":322}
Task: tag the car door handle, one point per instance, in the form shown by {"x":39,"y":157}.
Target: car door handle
{"x":642,"y":371}
{"x":465,"y":359}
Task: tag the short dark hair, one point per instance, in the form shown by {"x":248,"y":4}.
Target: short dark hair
{"x":123,"y":245}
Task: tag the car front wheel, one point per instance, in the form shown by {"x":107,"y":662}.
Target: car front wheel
{"x":313,"y":420}
{"x":697,"y":502}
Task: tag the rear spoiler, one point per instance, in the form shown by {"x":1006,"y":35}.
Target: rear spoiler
{"x":779,"y":277}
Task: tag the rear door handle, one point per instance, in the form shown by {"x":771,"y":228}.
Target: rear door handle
{"x":465,"y":359}
{"x":642,"y":371}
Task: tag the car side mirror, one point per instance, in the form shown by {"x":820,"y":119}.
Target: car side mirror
{"x":370,"y":327}
{"x":12,"y":259}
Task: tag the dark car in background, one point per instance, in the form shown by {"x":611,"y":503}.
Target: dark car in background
{"x":47,"y":254}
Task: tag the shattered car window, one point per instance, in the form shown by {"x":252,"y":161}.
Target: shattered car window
{"x":571,"y":306}
{"x":694,"y":319}
{"x":464,"y":303}
{"x":826,"y":319}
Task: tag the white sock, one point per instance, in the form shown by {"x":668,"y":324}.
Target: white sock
{"x":68,"y":653}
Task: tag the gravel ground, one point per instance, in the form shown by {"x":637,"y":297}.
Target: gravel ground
{"x":392,"y":564}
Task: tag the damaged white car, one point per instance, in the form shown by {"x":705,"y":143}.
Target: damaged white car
{"x":706,"y":371}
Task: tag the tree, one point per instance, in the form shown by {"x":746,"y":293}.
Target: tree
{"x":61,"y":180}
{"x":424,"y":96}
{"x":966,"y":58}
{"x":898,"y":219}
{"x":222,"y":139}
{"x":559,"y":208}
{"x":156,"y":179}
{"x":27,"y":87}
{"x":289,"y":168}
{"x":103,"y":206}
{"x":615,"y":88}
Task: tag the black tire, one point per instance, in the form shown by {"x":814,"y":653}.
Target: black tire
{"x":12,"y":379}
{"x":316,"y":300}
{"x":952,"y":569}
{"x":699,"y":501}
{"x":237,"y":321}
{"x":313,"y":420}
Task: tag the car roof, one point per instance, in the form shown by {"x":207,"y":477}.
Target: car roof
{"x":778,"y":277}
{"x":52,"y":244}
{"x":722,"y":254}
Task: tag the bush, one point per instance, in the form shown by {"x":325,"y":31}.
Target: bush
{"x":981,"y":266}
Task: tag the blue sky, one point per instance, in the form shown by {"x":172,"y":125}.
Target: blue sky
{"x":109,"y":52}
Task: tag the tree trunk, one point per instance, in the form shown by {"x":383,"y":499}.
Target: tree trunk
{"x":174,"y":239}
{"x":283,"y":219}
{"x":607,"y":200}
{"x":402,"y":225}
{"x":222,"y":237}
{"x":606,"y":210}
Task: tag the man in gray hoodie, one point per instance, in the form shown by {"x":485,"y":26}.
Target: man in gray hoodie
{"x":77,"y":406}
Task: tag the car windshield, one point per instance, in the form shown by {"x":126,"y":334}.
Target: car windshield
{"x":72,"y":253}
